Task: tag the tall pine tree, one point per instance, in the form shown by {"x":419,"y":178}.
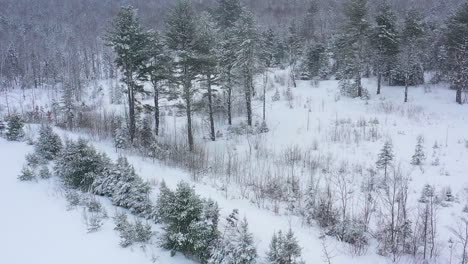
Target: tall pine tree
{"x":130,"y":43}
{"x":181,"y":37}
{"x":457,"y":42}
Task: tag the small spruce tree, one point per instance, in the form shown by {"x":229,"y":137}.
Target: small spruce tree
{"x":15,"y":126}
{"x":385,"y":157}
{"x":48,"y":145}
{"x":419,"y":156}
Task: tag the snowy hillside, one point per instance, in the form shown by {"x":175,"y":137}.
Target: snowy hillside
{"x":234,"y":131}
{"x":330,"y":133}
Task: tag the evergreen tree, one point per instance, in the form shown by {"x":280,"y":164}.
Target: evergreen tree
{"x":26,"y":174}
{"x":236,"y":245}
{"x":268,"y":46}
{"x":79,"y":164}
{"x":284,"y":249}
{"x":419,"y":156}
{"x":14,"y":131}
{"x":128,"y":189}
{"x":181,"y":39}
{"x":207,"y":50}
{"x":227,"y":13}
{"x":130,"y":43}
{"x":125,"y":228}
{"x":159,"y":71}
{"x":44,"y":172}
{"x":190,"y":223}
{"x":295,"y":50}
{"x":49,"y":144}
{"x":385,"y":42}
{"x":143,"y":232}
{"x":314,"y":60}
{"x":410,"y":69}
{"x":457,"y":42}
{"x":273,"y":254}
{"x":247,"y":57}
{"x":385,"y":157}
{"x":354,"y":41}
{"x":146,"y":137}
{"x":164,"y":204}
{"x":308,"y":23}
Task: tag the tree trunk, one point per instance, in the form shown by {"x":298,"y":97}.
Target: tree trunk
{"x":458,"y":98}
{"x":210,"y":108}
{"x":264,"y":95}
{"x":248,"y":98}
{"x":156,"y":108}
{"x":188,"y":103}
{"x":406,"y":89}
{"x":131,"y":111}
{"x":359,"y":85}
{"x":229,"y":99}
{"x":379,"y":81}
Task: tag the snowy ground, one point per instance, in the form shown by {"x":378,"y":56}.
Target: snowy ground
{"x":36,"y":226}
{"x":37,"y":214}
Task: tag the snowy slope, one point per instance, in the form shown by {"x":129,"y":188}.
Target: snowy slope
{"x":433,"y":115}
{"x":36,"y":227}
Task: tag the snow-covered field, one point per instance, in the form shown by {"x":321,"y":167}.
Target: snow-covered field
{"x":36,"y":225}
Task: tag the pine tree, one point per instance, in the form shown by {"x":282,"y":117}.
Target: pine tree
{"x":164,"y":204}
{"x":290,"y":252}
{"x":142,"y":231}
{"x":273,"y":254}
{"x":26,"y":174}
{"x":410,"y":69}
{"x":186,"y":210}
{"x":268,"y":45}
{"x":236,"y":245}
{"x":385,"y":40}
{"x":355,"y":40}
{"x":130,"y":43}
{"x":457,"y":42}
{"x":129,"y":190}
{"x":49,"y":144}
{"x":204,"y":232}
{"x":284,"y":249}
{"x":44,"y":172}
{"x":310,"y":203}
{"x":15,"y":126}
{"x":227,"y":13}
{"x":207,"y":51}
{"x":159,"y":71}
{"x":125,"y":228}
{"x":308,"y":23}
{"x":79,"y":164}
{"x":419,"y":156}
{"x":385,"y":157}
{"x":295,"y":50}
{"x":181,"y":40}
{"x":247,"y":57}
{"x":314,"y":60}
